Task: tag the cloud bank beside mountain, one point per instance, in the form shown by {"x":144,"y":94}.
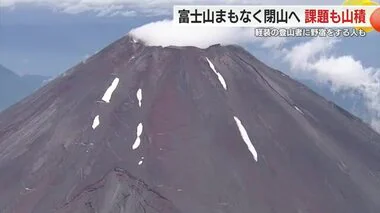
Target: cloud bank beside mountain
{"x":314,"y":60}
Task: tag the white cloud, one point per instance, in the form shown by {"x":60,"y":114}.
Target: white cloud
{"x":343,"y":72}
{"x":143,"y":7}
{"x":376,"y":125}
{"x":301,"y":54}
{"x":124,"y":13}
{"x":165,"y":33}
{"x":274,"y":42}
{"x":313,"y":60}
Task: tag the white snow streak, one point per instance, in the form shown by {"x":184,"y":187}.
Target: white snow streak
{"x":139,"y":129}
{"x":298,"y":109}
{"x":245,"y":137}
{"x":139,"y":96}
{"x":108,"y":94}
{"x":137,"y":142}
{"x":96,"y":122}
{"x":220,"y":77}
{"x":141,"y":161}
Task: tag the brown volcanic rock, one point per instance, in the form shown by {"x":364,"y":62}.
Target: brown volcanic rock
{"x":118,"y":191}
{"x":313,"y":157}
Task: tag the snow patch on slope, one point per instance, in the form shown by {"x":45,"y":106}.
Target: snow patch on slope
{"x":298,"y":109}
{"x":245,"y":137}
{"x":139,"y":96}
{"x":220,"y":77}
{"x":108,"y":94}
{"x":137,"y":142}
{"x":96,"y":122}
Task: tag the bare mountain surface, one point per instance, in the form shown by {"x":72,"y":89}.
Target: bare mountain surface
{"x":181,"y":129}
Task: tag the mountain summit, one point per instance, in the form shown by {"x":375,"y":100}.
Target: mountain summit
{"x":141,"y":129}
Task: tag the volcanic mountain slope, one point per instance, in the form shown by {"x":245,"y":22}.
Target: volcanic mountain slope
{"x":181,"y":129}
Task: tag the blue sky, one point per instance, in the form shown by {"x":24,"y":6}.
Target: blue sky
{"x":37,"y":40}
{"x":47,"y":37}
